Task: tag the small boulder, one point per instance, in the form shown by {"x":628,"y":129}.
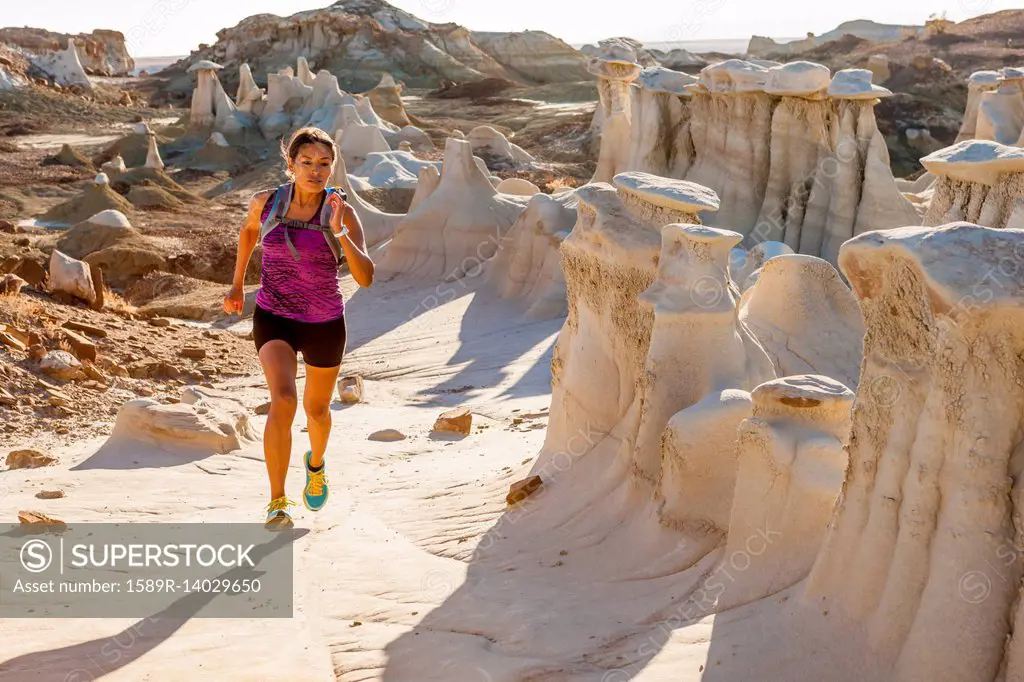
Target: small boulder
{"x":263,"y":409}
{"x":11,"y":285}
{"x":86,"y":329}
{"x":194,"y":352}
{"x":387,"y":436}
{"x":459,"y":420}
{"x":71,"y":276}
{"x":34,"y":518}
{"x":50,"y":494}
{"x":520,"y":490}
{"x":62,"y":365}
{"x":30,"y":271}
{"x":83,"y":348}
{"x":28,"y":459}
{"x":350,"y":389}
{"x":160,"y":322}
{"x":8,"y":227}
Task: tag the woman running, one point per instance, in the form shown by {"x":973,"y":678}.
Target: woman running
{"x":306,"y":230}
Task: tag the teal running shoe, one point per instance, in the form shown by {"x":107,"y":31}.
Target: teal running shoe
{"x":315,"y":494}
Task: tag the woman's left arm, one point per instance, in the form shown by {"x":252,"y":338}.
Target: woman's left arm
{"x":353,"y":242}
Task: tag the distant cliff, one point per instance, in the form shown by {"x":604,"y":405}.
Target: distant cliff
{"x":358,"y":40}
{"x":102,"y":53}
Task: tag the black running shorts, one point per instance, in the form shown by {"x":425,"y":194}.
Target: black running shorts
{"x":322,"y":344}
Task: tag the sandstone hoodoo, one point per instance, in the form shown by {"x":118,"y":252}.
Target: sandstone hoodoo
{"x":805,"y":164}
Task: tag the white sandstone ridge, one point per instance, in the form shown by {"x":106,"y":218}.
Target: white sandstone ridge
{"x":456,"y":229}
{"x":101,"y":53}
{"x":978,"y":181}
{"x":378,"y":226}
{"x":1000,"y":114}
{"x":793,"y":152}
{"x":356,"y":38}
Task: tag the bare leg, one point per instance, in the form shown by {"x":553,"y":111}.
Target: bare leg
{"x":316,"y":400}
{"x":279,"y":366}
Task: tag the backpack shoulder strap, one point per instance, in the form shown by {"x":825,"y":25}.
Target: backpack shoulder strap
{"x":278,"y":209}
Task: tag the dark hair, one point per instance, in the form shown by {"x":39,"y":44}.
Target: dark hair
{"x":304,"y":136}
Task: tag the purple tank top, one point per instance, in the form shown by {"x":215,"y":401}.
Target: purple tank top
{"x":307,"y":290}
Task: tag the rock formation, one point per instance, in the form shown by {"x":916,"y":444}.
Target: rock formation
{"x":979,"y":181}
{"x":795,"y":156}
{"x":455,"y":230}
{"x":1000,"y":115}
{"x":108,"y":240}
{"x":132,"y":148}
{"x":212,"y":109}
{"x":386,"y":99}
{"x":615,"y":67}
{"x":939,"y":440}
{"x":496,"y":150}
{"x":978,"y":84}
{"x":205,"y":419}
{"x":378,"y":226}
{"x":355,"y":38}
{"x":101,"y":53}
{"x":64,"y":66}
{"x":528,"y":264}
{"x":96,"y":198}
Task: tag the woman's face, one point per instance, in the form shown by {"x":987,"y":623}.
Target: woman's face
{"x":312,"y":166}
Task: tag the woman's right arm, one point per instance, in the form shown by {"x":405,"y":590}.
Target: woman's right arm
{"x":247,"y":238}
{"x":249,"y":235}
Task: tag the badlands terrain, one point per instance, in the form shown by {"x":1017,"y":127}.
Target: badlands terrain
{"x":726,"y":347}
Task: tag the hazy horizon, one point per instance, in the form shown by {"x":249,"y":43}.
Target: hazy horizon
{"x":160,"y":28}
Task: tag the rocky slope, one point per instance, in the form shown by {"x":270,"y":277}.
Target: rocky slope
{"x":859,"y":28}
{"x":361,"y":39}
{"x":102,"y":53}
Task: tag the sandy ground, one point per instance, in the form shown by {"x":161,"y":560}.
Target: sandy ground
{"x":366,"y":533}
{"x":416,"y":571}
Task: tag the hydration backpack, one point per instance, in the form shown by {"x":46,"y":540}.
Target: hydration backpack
{"x":279,"y":209}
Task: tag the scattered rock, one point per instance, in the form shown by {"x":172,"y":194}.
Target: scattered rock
{"x":86,"y":329}
{"x":193,"y":352}
{"x":387,"y":436}
{"x":11,"y":285}
{"x":36,"y":351}
{"x":28,"y":459}
{"x":520,"y":490}
{"x":58,"y":401}
{"x":83,"y":348}
{"x":7,"y":226}
{"x":350,"y":389}
{"x":34,"y":518}
{"x":263,"y":409}
{"x":30,"y":271}
{"x":94,"y":373}
{"x":160,"y":322}
{"x":50,"y":494}
{"x":62,"y":365}
{"x":97,"y":280}
{"x":144,"y":391}
{"x":11,"y":341}
{"x":62,"y":430}
{"x":6,"y":398}
{"x":459,"y":420}
{"x":71,"y":276}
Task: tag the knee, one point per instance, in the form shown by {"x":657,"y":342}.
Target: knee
{"x":285,"y":401}
{"x":318,"y":412}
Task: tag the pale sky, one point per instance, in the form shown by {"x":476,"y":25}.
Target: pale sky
{"x":175,"y":27}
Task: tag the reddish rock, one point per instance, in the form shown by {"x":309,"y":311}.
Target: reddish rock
{"x":459,"y":420}
{"x":520,"y":490}
{"x":83,"y":348}
{"x":28,"y":459}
